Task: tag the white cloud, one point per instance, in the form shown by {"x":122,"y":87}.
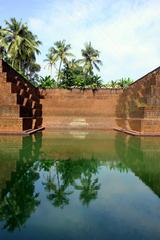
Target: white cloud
{"x":127,"y":33}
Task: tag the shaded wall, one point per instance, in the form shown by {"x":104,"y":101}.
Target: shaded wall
{"x":138,"y":106}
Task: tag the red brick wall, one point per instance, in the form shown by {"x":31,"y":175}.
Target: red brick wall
{"x":138,"y":107}
{"x":80,"y":109}
{"x":20,"y":107}
{"x":23,"y":106}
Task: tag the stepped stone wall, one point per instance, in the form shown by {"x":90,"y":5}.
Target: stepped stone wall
{"x":138,"y":108}
{"x":20,"y":107}
{"x":24,"y":107}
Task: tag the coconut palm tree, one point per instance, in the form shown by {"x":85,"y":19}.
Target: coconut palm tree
{"x":59,"y":52}
{"x":90,"y":59}
{"x":51,"y":60}
{"x":21,"y":45}
{"x":124,"y":82}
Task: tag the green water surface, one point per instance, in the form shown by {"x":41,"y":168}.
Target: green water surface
{"x":79,"y":185}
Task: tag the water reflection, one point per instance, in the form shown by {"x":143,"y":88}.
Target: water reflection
{"x":142,"y":157}
{"x":25,"y":161}
{"x":18,"y":198}
{"x":63,"y":177}
{"x":56,"y":186}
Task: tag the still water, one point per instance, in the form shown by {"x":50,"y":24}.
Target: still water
{"x":79,"y":185}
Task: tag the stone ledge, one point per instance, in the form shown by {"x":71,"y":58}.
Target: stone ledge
{"x":135,"y":133}
{"x":25,"y":133}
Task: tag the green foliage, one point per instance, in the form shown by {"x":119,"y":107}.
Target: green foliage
{"x":47,"y":82}
{"x":121,"y":83}
{"x":124,"y":82}
{"x":19,"y":46}
{"x":58,"y":53}
{"x":74,"y":76}
{"x":74,"y":73}
{"x":90,"y":59}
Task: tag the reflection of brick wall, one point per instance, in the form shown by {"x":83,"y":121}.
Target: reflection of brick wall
{"x":20,"y":107}
{"x":9,"y":154}
{"x":139,"y":105}
{"x":80,"y":109}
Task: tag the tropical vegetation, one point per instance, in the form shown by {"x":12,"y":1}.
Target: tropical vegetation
{"x":120,"y":83}
{"x":20,"y":47}
{"x":71,"y":72}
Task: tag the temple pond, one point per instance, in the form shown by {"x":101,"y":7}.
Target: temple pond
{"x":79,"y":185}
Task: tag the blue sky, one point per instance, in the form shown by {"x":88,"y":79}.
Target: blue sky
{"x":126,"y":32}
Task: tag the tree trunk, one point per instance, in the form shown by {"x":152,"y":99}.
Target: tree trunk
{"x":59,"y":70}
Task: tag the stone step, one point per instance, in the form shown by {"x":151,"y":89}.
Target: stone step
{"x":18,"y":85}
{"x":37,"y":112}
{"x":24,"y":91}
{"x":28,"y":103}
{"x":32,"y":122}
{"x":129,"y":123}
{"x":21,"y":100}
{"x":30,"y":112}
{"x":20,"y":107}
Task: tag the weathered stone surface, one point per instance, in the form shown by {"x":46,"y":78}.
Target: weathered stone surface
{"x":139,"y":105}
{"x":80,"y":109}
{"x":20,"y":107}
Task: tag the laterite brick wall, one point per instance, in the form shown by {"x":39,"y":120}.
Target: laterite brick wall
{"x":80,"y":109}
{"x":20,"y":107}
{"x":138,"y":107}
{"x":24,"y":107}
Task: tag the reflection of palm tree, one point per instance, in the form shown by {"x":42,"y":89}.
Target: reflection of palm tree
{"x":19,"y":198}
{"x":45,"y":164}
{"x":57,"y":190}
{"x":117,"y":165}
{"x":89,"y":189}
{"x":67,"y":173}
